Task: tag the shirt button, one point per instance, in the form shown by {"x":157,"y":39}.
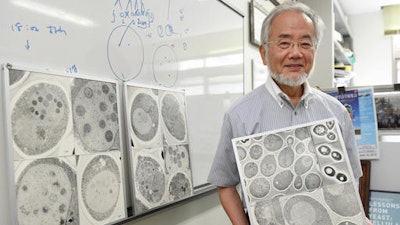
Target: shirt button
{"x":295,"y":113}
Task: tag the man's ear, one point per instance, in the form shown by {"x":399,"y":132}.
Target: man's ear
{"x":262,"y":51}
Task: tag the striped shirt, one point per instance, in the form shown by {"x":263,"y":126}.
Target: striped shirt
{"x":267,"y":108}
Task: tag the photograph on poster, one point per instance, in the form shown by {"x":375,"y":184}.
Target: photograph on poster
{"x":65,"y":148}
{"x":100,"y":188}
{"x":46,"y":191}
{"x":95,"y":116}
{"x":388,"y":110}
{"x":384,"y":207}
{"x":159,"y":146}
{"x":360,"y":104}
{"x":41,"y":115}
{"x":298,"y":175}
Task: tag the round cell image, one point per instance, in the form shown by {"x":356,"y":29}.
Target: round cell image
{"x":331,"y":136}
{"x":298,"y":206}
{"x":180,"y":186}
{"x":250,"y":169}
{"x":341,"y":177}
{"x":144,"y":117}
{"x":312,"y":181}
{"x":302,"y":133}
{"x":241,"y":152}
{"x":100,"y":187}
{"x":303,"y":164}
{"x":95,"y":113}
{"x":176,"y":158}
{"x":259,"y":187}
{"x":283,"y":180}
{"x":173,"y":117}
{"x":264,"y":213}
{"x":47,"y":194}
{"x":320,"y":130}
{"x":40,"y":118}
{"x":300,"y":148}
{"x":268,"y":165}
{"x":286,"y":157}
{"x":342,"y":199}
{"x":330,"y":171}
{"x":255,"y":151}
{"x":273,"y":142}
{"x":149,"y":179}
{"x":336,"y":155}
{"x":324,"y":150}
{"x":330,"y":124}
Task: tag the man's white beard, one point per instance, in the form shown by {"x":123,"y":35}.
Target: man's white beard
{"x":286,"y":80}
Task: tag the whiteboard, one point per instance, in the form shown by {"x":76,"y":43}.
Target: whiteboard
{"x":195,"y":45}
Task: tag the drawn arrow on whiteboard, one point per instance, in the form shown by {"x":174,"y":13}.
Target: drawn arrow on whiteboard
{"x":27,"y":46}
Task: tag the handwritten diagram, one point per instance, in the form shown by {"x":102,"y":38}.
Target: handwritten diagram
{"x":134,"y":45}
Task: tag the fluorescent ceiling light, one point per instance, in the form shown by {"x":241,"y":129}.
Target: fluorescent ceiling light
{"x":54,"y":12}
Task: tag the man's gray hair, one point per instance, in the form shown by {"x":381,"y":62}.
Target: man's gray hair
{"x":296,"y":6}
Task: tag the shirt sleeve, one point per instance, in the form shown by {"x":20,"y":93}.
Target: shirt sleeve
{"x":224,"y":171}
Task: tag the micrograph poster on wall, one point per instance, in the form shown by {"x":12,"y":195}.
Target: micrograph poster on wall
{"x":360,"y":104}
{"x":159,"y":146}
{"x":298,"y":175}
{"x":64,"y":148}
{"x":384,"y":207}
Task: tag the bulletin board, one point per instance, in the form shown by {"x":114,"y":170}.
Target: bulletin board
{"x":191,"y":45}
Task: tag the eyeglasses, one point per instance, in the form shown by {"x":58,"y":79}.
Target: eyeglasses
{"x":286,"y":44}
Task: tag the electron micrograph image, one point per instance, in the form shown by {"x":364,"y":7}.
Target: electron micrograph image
{"x":95,"y":116}
{"x":144,"y":117}
{"x":100,"y":188}
{"x":65,"y":149}
{"x":174,"y":118}
{"x":298,"y":175}
{"x":40,"y":115}
{"x":159,"y":147}
{"x":46,"y":191}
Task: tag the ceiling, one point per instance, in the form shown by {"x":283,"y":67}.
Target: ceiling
{"x":353,"y":7}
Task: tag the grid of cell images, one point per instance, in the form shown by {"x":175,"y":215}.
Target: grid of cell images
{"x":159,"y":146}
{"x":299,"y":175}
{"x":66,"y":149}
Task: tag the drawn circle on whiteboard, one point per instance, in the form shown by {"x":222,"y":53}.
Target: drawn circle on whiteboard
{"x":95,"y":113}
{"x":165,"y":66}
{"x":101,"y":184}
{"x":125,"y":53}
{"x":46,"y":193}
{"x":39,"y":118}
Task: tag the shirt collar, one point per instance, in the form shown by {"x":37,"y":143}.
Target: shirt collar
{"x":279,"y":95}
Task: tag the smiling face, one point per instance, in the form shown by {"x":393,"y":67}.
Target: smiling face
{"x":291,"y":65}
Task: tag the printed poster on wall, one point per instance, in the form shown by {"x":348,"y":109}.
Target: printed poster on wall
{"x":384,"y":207}
{"x":360,"y":104}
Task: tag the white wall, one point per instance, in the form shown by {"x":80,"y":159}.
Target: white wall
{"x":373,"y":50}
{"x":205,"y":210}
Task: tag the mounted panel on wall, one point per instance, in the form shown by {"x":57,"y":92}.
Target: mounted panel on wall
{"x":64,"y":149}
